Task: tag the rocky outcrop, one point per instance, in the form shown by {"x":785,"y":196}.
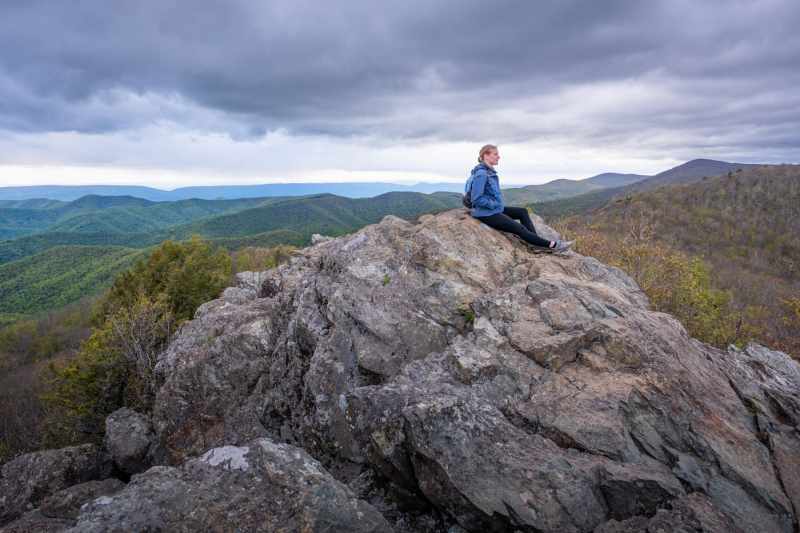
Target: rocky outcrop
{"x":444,"y":377}
{"x":503,"y":389}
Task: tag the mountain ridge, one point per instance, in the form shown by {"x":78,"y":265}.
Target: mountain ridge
{"x":19,"y":194}
{"x":686,"y":173}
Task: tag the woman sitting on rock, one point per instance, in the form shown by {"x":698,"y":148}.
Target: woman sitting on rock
{"x":483,"y":189}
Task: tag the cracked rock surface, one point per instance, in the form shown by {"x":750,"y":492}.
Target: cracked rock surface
{"x":262,"y":486}
{"x":437,"y":376}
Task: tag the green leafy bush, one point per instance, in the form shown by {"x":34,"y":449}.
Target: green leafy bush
{"x":133,"y":323}
{"x":675,"y":283}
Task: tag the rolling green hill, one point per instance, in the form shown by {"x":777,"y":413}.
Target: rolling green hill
{"x":575,"y":205}
{"x":110,"y":214}
{"x":32,"y":203}
{"x":267,"y":239}
{"x":61,"y":275}
{"x":564,"y":188}
{"x":96,"y":201}
{"x":94,"y":213}
{"x":751,"y":217}
{"x":151,"y":217}
{"x":48,"y":270}
{"x":745,"y":225}
{"x":328,"y":214}
{"x":12,"y":250}
{"x":25,"y":217}
{"x":17,"y":222}
{"x":274,"y":221}
{"x":689,"y":172}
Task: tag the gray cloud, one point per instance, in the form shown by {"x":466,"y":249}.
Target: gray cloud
{"x":678,"y":74}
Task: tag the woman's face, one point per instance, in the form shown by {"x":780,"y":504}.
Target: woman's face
{"x":491,"y":157}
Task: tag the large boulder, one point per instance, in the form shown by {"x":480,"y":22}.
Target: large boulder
{"x":486,"y":385}
{"x":128,"y":438}
{"x":261,"y":486}
{"x":30,"y":478}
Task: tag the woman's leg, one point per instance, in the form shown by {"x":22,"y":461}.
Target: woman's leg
{"x":521,"y":214}
{"x":503,"y":222}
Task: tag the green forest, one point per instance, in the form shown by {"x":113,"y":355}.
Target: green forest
{"x":734,"y":238}
{"x":63,"y":371}
{"x":77,"y":258}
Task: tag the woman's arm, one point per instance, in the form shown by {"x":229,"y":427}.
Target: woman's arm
{"x":479,"y":199}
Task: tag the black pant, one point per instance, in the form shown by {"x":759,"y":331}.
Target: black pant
{"x":503,"y":222}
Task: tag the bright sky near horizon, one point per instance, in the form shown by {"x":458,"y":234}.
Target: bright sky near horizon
{"x":238,"y":92}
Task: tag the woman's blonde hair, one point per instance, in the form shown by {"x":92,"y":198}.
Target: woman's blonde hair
{"x":484,"y":149}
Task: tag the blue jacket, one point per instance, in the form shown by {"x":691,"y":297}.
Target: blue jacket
{"x":486,"y":197}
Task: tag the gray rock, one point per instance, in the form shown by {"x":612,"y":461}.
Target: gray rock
{"x":262,"y":486}
{"x":238,"y":295}
{"x":67,"y":503}
{"x":30,"y":478}
{"x":691,"y":514}
{"x":128,"y":438}
{"x":316,"y":238}
{"x":36,"y":522}
{"x":485,"y":384}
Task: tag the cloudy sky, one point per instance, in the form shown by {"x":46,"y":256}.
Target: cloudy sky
{"x":210,"y":92}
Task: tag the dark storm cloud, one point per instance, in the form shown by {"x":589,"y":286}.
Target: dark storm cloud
{"x":404,"y":70}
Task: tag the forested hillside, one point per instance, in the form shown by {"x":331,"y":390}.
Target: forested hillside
{"x":744,"y":225}
{"x":139,"y":227}
{"x":585,"y":202}
{"x":60,"y":275}
{"x":563,"y":188}
{"x":153,"y":216}
{"x":325,"y":213}
{"x":32,"y":349}
{"x":109,"y":214}
{"x":688,"y":172}
{"x":54,"y":268}
{"x":751,"y":218}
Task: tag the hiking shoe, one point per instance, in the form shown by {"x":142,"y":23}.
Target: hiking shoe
{"x":562,"y":246}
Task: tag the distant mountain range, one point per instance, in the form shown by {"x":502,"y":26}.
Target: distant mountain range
{"x":111,"y":214}
{"x":215,"y":192}
{"x":41,"y":196}
{"x":53,"y":196}
{"x":69,"y":239}
{"x":38,"y":196}
{"x":40,"y":271}
{"x":125,"y":213}
{"x":563,"y":188}
{"x":689,"y":172}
